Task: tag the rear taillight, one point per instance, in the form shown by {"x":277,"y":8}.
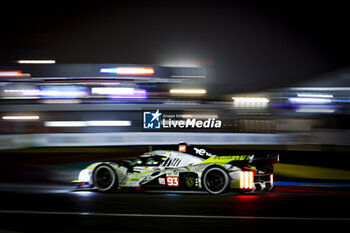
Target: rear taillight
{"x":246,"y":180}
{"x":271,"y":179}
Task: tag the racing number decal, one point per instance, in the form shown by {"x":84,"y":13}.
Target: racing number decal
{"x":172,"y":181}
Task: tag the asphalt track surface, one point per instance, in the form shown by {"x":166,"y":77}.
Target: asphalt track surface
{"x":60,"y":208}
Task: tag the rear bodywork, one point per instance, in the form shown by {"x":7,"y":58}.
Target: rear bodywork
{"x":184,"y":170}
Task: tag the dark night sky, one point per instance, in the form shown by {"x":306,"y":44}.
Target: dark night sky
{"x":253,"y":46}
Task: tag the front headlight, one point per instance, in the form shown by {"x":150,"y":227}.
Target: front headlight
{"x":84,"y":176}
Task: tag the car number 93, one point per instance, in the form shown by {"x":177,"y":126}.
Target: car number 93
{"x":172,"y":181}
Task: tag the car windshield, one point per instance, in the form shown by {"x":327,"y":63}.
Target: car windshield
{"x":155,"y":160}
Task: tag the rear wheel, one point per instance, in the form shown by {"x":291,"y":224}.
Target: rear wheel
{"x":215,"y":180}
{"x":104,"y":178}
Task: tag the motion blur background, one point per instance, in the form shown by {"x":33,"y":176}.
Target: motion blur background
{"x":276,"y":74}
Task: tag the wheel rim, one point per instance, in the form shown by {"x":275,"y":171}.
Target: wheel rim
{"x":104,"y":178}
{"x":216,"y":180}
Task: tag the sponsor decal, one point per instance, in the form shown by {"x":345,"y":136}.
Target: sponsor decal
{"x":227,"y":159}
{"x":232,"y":157}
{"x":182,"y":148}
{"x":161,"y":181}
{"x":203,"y":152}
{"x":190,"y":181}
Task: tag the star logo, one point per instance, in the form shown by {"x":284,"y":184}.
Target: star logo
{"x":156,"y":115}
{"x":152,"y":119}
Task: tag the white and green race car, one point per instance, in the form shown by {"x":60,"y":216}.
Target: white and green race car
{"x":189,"y":168}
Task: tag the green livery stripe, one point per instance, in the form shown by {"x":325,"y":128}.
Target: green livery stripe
{"x":133,"y":179}
{"x":93,"y":166}
{"x":226,"y":159}
{"x":146,"y":172}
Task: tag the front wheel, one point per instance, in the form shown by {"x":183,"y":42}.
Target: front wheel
{"x":104,"y":178}
{"x":215,"y":180}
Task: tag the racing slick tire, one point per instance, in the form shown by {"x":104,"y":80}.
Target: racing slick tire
{"x":104,"y":178}
{"x":215,"y":180}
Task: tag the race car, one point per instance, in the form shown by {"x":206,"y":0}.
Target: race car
{"x":189,"y":168}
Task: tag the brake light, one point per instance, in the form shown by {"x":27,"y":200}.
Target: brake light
{"x":271,"y":179}
{"x":246,"y":180}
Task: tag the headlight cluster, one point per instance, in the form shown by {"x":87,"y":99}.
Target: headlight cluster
{"x":84,"y":176}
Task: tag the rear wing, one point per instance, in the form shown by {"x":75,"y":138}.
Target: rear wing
{"x":265,"y":163}
{"x":261,"y":162}
{"x":269,"y":158}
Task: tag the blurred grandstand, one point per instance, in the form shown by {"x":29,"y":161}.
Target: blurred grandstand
{"x":102,"y":104}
